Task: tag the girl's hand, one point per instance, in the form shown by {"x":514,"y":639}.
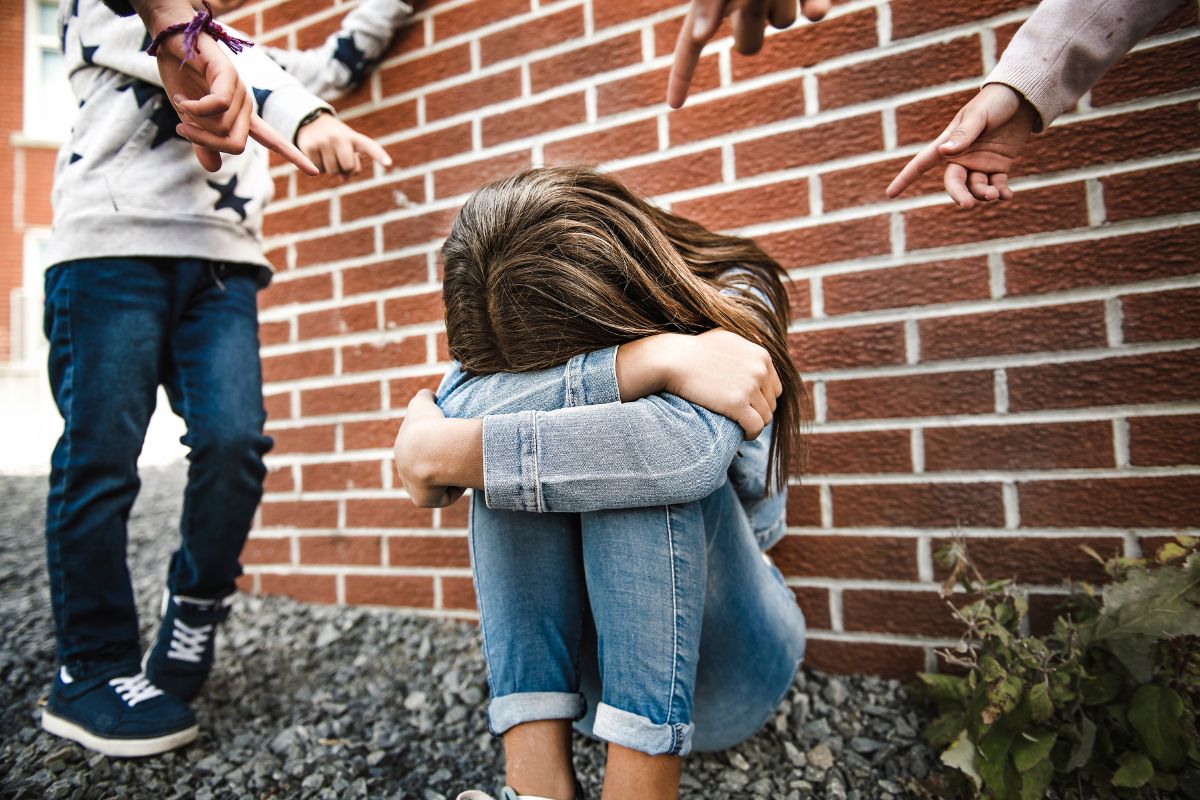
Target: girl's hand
{"x":422,"y":433}
{"x":335,"y":147}
{"x":718,"y":370}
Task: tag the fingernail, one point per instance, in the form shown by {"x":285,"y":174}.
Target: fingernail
{"x":178,"y":99}
{"x":698,"y":27}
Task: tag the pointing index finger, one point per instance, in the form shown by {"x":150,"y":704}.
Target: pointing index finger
{"x":269,"y":138}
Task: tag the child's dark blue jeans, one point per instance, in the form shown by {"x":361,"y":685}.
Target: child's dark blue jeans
{"x":118,"y":328}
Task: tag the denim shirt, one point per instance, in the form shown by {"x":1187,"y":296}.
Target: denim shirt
{"x":561,"y":440}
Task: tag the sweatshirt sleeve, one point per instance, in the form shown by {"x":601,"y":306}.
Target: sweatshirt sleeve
{"x":348,"y":55}
{"x":1066,"y":45}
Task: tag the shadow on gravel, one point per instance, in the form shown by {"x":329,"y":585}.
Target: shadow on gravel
{"x":329,"y":702}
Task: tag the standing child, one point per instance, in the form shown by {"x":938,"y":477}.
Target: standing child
{"x":157,"y":264}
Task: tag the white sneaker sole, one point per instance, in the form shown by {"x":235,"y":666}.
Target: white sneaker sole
{"x":120,"y":748}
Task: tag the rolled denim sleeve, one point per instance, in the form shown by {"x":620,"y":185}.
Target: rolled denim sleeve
{"x":658,"y":450}
{"x":587,"y":379}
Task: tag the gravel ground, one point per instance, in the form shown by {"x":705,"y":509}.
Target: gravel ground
{"x":327,"y":702}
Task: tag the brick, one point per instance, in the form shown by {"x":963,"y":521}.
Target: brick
{"x":427,"y":69}
{"x":458,"y":593}
{"x":928,"y":395}
{"x":1112,"y":503}
{"x":829,"y":242}
{"x":914,"y":17}
{"x":428,"y":551}
{"x":410,"y":591}
{"x":469,"y":177}
{"x":337,"y":321}
{"x":387,"y":120}
{"x":278,"y":406}
{"x":1044,"y":609}
{"x":673,"y":174}
{"x":846,"y":556}
{"x":1164,"y":441}
{"x":650,"y":88}
{"x":1185,"y":15}
{"x":750,"y":109}
{"x":922,"y":613}
{"x":386,"y":514}
{"x":306,"y":184}
{"x":803,"y":507}
{"x":530,"y":120}
{"x":341,"y":476}
{"x":606,"y":14}
{"x":377,"y":200}
{"x":383,"y":355}
{"x":474,"y":95}
{"x":456,"y":515}
{"x":1026,"y":330}
{"x":1125,"y":380}
{"x":584,"y":62}
{"x":940,"y":505}
{"x":859,"y":452}
{"x":899,"y":287}
{"x":1032,"y":211}
{"x":418,"y":229}
{"x":925,"y":119}
{"x":341,"y":550}
{"x":848,"y":348}
{"x":666,"y":34}
{"x":805,"y":45}
{"x":1151,"y":192}
{"x":340,"y":399}
{"x":278,"y":258}
{"x":279,"y":480}
{"x":1068,"y":445}
{"x":280,"y":15}
{"x":860,"y":186}
{"x":403,"y":389}
{"x":896,"y":661}
{"x":1039,"y":559}
{"x":1004,"y":36}
{"x":814,"y":602}
{"x":293,"y":366}
{"x":385,"y":275}
{"x":355,"y":99}
{"x":274,"y":332}
{"x":799,"y":294}
{"x":413,"y":309}
{"x":611,"y":144}
{"x":468,"y":17}
{"x":299,"y":218}
{"x":737,"y":209}
{"x":299,"y":514}
{"x":1104,"y":262}
{"x":264,"y":550}
{"x":305,"y":439}
{"x":1148,"y":73}
{"x":308,"y":289}
{"x":369,"y":435}
{"x":306,"y":588}
{"x":430,"y":147}
{"x":537,"y":34}
{"x":927,"y":66}
{"x":1161,"y":316}
{"x":339,"y":246}
{"x":315,"y":35}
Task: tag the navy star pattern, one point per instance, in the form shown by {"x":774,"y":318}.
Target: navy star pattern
{"x":166,"y":120}
{"x":228,"y":198}
{"x":89,"y":55}
{"x":143,"y":92}
{"x":355,"y":60}
{"x":76,"y":157}
{"x":260,"y":97}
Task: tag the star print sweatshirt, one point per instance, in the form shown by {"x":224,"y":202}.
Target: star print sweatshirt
{"x":125,"y":184}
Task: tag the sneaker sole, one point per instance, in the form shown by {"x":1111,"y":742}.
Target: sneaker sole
{"x":120,"y":748}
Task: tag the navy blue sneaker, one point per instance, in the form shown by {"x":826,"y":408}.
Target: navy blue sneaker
{"x":186,"y":646}
{"x":121,"y":714}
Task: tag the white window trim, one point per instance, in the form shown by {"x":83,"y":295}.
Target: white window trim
{"x":34,"y":43}
{"x":26,"y":339}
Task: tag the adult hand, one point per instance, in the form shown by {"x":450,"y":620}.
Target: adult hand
{"x":418,"y":444}
{"x":749,"y":18}
{"x":978,"y":148}
{"x":335,"y":147}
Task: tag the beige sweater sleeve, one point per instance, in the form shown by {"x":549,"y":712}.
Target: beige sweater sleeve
{"x":1066,"y":45}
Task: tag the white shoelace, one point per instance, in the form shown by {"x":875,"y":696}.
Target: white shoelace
{"x":133,"y":689}
{"x":187,"y":642}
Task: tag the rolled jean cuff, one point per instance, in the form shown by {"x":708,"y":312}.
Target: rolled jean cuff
{"x":513,"y":709}
{"x":639,"y":733}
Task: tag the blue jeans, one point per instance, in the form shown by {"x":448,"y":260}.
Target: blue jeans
{"x":118,"y":328}
{"x":659,"y":629}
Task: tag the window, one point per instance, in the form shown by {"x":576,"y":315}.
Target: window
{"x":28,"y":342}
{"x":49,"y":103}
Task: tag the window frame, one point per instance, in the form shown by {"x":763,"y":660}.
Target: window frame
{"x":35,"y":43}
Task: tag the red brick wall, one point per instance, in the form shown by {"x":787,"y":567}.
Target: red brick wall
{"x":1025,"y":373}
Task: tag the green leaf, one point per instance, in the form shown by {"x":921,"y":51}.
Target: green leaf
{"x":1135,"y":771}
{"x":990,"y":669}
{"x":943,"y":730}
{"x":1039,"y":702}
{"x":962,"y":756}
{"x":1004,"y":695}
{"x":944,"y":688}
{"x":1154,"y":713}
{"x":1101,"y":689}
{"x":1036,"y":781}
{"x":1082,"y":751}
{"x":1030,"y":750}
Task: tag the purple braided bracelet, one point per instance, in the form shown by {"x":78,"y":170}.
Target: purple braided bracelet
{"x":203,"y":22}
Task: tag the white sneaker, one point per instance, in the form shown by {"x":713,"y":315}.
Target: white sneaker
{"x":509,"y":794}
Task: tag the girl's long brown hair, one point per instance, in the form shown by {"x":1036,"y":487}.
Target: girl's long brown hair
{"x":558,"y":261}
